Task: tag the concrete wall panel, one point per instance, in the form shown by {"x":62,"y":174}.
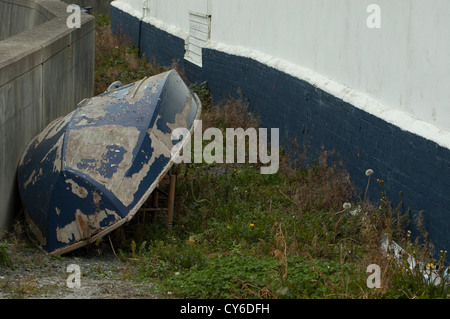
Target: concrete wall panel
{"x":25,"y":14}
{"x":45,"y":70}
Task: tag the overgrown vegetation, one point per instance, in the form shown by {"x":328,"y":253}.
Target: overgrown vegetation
{"x":117,"y":58}
{"x":4,"y":253}
{"x":240,"y":234}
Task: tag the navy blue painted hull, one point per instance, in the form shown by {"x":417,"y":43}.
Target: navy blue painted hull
{"x":90,"y":171}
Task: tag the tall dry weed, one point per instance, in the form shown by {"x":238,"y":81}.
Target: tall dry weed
{"x":117,"y":59}
{"x":230,"y":113}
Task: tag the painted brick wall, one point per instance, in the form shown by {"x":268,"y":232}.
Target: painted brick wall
{"x":193,"y":72}
{"x":162,"y":46}
{"x":408,"y":163}
{"x":154,"y":43}
{"x":122,"y":22}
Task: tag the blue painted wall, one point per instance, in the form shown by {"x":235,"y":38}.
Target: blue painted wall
{"x":162,"y":46}
{"x":407,"y":163}
{"x":122,"y":22}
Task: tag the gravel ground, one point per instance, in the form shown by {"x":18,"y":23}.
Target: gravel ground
{"x":36,"y":275}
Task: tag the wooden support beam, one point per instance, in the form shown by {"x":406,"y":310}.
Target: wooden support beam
{"x":171,"y":201}
{"x":155,"y":205}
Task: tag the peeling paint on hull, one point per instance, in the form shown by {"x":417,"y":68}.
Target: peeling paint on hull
{"x":89,"y":172}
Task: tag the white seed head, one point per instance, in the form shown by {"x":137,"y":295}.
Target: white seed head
{"x":369,"y":172}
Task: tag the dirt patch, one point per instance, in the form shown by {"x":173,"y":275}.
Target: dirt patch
{"x":36,"y":275}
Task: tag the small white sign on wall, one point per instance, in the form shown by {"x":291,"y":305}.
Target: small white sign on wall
{"x":199,"y":33}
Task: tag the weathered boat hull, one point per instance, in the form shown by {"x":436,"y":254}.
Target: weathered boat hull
{"x":89,"y":172}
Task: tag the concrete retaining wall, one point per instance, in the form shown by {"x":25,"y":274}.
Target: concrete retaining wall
{"x":26,"y":15}
{"x":45,"y":71}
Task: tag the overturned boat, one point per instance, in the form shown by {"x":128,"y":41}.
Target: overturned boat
{"x":89,"y":172}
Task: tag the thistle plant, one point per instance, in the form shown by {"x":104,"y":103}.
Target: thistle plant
{"x":369,"y":173}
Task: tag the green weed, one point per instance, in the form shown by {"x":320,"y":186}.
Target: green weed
{"x":5,"y":259}
{"x":117,"y":58}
